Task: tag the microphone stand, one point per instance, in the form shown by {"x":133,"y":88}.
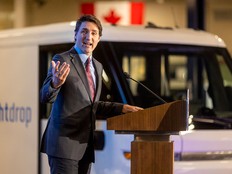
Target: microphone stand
{"x":129,"y":77}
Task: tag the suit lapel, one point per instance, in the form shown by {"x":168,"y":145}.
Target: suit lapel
{"x":76,"y":61}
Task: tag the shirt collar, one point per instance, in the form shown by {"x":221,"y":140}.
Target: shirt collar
{"x":82,"y":56}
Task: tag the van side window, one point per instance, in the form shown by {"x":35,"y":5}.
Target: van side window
{"x":227,"y":77}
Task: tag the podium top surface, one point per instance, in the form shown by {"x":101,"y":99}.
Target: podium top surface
{"x":168,"y":117}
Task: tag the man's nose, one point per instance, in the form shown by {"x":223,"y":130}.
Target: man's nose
{"x":88,"y":35}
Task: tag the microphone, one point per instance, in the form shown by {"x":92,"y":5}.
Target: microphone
{"x":154,"y":94}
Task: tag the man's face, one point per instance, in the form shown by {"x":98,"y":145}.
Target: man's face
{"x":87,"y":37}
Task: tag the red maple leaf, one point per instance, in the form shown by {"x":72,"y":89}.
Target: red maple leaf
{"x":112,"y":17}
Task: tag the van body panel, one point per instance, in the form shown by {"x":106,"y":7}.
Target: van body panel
{"x":64,"y":33}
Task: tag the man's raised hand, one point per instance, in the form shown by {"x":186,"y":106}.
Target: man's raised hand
{"x":59,"y":73}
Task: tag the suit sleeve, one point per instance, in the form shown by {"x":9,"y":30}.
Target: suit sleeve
{"x":48,"y":94}
{"x":108,"y":109}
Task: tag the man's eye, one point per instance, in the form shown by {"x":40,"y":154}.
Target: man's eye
{"x":84,"y":32}
{"x":94,"y":33}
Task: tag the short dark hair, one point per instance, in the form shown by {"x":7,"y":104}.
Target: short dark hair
{"x":88,"y":18}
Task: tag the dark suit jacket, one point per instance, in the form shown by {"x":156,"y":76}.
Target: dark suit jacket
{"x":72,"y":118}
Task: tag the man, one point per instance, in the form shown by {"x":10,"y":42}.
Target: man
{"x":73,"y":85}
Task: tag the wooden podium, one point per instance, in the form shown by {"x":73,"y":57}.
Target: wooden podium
{"x":152,"y":151}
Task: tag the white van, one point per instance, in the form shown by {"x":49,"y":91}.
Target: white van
{"x":168,"y":61}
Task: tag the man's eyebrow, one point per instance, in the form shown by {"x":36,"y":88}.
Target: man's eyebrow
{"x":95,"y":30}
{"x":84,"y":28}
{"x":91,"y":30}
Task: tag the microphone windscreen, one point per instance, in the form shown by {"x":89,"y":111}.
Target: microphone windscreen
{"x":127,"y":75}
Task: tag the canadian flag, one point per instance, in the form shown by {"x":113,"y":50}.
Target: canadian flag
{"x":115,"y":12}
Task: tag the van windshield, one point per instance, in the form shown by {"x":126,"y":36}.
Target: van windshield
{"x":169,"y":70}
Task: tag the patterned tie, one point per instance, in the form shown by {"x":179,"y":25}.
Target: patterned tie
{"x":90,"y":79}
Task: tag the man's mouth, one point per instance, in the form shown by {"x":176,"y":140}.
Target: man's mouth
{"x":87,"y":44}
